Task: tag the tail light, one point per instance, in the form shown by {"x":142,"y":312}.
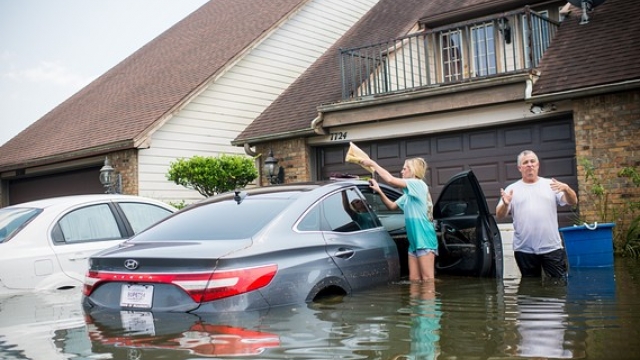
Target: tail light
{"x":201,"y":287}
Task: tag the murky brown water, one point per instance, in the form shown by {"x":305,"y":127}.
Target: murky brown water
{"x":595,"y":316}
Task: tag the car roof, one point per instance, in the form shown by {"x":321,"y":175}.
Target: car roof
{"x":283,"y":190}
{"x":87,"y":198}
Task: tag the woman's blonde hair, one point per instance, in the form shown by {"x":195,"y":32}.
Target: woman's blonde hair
{"x":418,"y":167}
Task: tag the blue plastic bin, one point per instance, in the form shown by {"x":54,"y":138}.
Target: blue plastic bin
{"x":589,"y":245}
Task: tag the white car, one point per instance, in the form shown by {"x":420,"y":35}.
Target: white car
{"x":45,"y":244}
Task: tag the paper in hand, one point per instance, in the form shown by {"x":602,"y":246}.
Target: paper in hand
{"x":355,"y":155}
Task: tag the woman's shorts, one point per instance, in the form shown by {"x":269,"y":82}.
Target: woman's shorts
{"x":422,"y":252}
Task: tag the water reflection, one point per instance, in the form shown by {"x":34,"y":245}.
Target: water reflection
{"x":183,"y":333}
{"x":425,"y":321}
{"x":541,"y":321}
{"x":595,"y":315}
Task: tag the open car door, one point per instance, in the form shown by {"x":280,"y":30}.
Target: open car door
{"x":469,"y":241}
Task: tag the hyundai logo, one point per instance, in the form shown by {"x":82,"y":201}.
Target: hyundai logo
{"x":131,"y":264}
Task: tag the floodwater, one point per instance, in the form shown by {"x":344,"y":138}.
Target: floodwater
{"x":596,"y":315}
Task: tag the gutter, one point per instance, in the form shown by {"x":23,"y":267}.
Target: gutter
{"x":248,"y":142}
{"x":582,"y":92}
{"x":68,"y":156}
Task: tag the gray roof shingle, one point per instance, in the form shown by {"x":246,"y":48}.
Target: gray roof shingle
{"x":603,"y":51}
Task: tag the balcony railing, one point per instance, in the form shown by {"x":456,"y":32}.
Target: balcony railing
{"x":510,"y":43}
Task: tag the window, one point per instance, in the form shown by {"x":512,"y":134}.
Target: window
{"x":540,"y":37}
{"x":141,"y":216}
{"x":91,"y":223}
{"x":483,"y":46}
{"x":346,"y":211}
{"x":451,"y":45}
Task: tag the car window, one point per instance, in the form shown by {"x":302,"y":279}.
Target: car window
{"x":341,"y":214}
{"x":458,"y":199}
{"x":223,"y":220}
{"x":311,"y":220}
{"x":392,"y":220}
{"x":376,"y":203}
{"x":141,"y":215}
{"x":14,"y":219}
{"x":90,"y":223}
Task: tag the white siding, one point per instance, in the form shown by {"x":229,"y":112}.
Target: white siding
{"x":207,"y":125}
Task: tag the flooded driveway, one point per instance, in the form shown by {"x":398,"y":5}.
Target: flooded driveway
{"x":595,"y":316}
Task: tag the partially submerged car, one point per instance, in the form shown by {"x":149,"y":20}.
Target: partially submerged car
{"x":286,"y":244}
{"x":45,"y":244}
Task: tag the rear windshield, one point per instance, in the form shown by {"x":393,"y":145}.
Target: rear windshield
{"x":225,"y":220}
{"x":14,"y":219}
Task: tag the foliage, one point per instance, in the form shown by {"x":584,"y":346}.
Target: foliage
{"x":625,"y":215}
{"x":597,"y":191}
{"x":213,"y":175}
{"x":631,"y":245}
{"x":178,"y":205}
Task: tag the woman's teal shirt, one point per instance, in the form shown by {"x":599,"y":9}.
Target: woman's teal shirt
{"x":413,"y":202}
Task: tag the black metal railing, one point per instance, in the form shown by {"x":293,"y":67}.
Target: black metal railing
{"x":503,"y":44}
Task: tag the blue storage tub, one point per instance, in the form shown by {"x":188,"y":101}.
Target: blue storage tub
{"x":589,"y":245}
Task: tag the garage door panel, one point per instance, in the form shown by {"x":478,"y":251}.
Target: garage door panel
{"x":520,"y":137}
{"x":486,"y":173}
{"x":389,"y":151}
{"x":557,"y":167}
{"x":483,"y":140}
{"x":334,"y":156}
{"x":443,"y":174}
{"x":416,"y":148}
{"x":448,"y":145}
{"x":556,"y":133}
{"x":511,"y":170}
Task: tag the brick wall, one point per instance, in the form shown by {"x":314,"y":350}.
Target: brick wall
{"x":294,"y":155}
{"x":607,"y":130}
{"x":126,"y":163}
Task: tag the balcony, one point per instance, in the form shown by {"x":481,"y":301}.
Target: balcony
{"x":499,"y":45}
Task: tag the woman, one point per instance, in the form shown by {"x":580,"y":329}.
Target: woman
{"x":416,"y":205}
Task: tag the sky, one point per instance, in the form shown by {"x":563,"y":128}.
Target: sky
{"x":50,"y":49}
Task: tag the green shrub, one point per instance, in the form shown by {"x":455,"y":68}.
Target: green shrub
{"x":213,"y":175}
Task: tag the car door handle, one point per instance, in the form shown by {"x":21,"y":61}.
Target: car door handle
{"x":344,"y":253}
{"x":78,"y":256}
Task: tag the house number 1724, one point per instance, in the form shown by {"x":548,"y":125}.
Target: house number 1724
{"x":339,"y":136}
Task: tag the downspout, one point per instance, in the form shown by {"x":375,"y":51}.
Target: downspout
{"x":248,"y":151}
{"x":316,"y":125}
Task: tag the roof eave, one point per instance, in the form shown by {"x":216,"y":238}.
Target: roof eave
{"x":72,"y":155}
{"x":273,"y":137}
{"x":586,"y":91}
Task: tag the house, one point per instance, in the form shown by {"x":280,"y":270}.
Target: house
{"x":190,"y":91}
{"x":467,"y":85}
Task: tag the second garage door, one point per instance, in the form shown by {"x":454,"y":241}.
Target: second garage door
{"x":490,"y":152}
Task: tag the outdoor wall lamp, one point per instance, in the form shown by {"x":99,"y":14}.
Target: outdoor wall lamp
{"x":111,"y":180}
{"x":272,"y":171}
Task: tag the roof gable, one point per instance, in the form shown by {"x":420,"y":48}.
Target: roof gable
{"x":119,"y":107}
{"x":295,"y":108}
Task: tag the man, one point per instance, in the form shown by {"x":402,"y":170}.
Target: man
{"x":532,"y":202}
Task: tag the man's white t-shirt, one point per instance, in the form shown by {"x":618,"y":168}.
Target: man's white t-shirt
{"x":534,"y":209}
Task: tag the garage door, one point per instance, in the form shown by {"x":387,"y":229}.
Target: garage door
{"x":490,"y":152}
{"x":82,"y":181}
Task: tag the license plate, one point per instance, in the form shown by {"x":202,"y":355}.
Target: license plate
{"x":137,"y":296}
{"x":137,"y":323}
